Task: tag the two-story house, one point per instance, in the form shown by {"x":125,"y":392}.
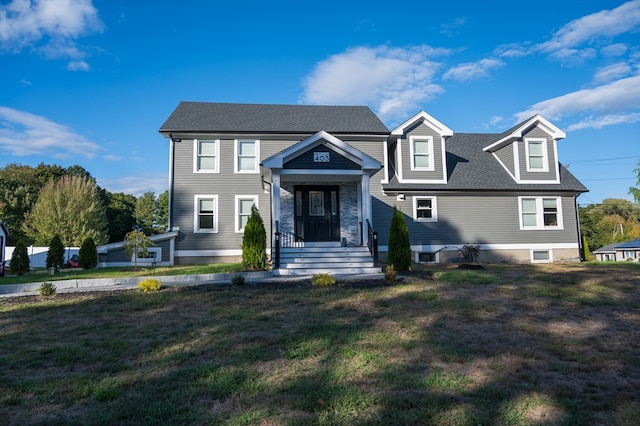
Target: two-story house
{"x":326,"y":179}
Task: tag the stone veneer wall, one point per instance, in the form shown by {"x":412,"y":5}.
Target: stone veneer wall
{"x":349,"y":224}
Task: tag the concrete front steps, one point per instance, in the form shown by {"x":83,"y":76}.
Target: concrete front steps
{"x":328,"y":257}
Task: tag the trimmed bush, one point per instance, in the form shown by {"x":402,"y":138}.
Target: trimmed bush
{"x":47,"y":289}
{"x":399,"y":255}
{"x":322,"y":280}
{"x":20,"y":260}
{"x":88,"y":256}
{"x":55,"y":255}
{"x":149,"y":285}
{"x":238,"y":280}
{"x":254,"y":242}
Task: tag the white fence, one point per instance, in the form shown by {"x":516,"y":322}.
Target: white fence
{"x":38,"y":255}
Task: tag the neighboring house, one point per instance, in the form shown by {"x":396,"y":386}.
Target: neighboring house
{"x":627,"y":251}
{"x":38,"y":255}
{"x":4,"y":233}
{"x":160,"y":254}
{"x":323,"y":175}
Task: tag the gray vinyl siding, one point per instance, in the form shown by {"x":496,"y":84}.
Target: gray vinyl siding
{"x":405,"y":161}
{"x":522,"y":154}
{"x":495,"y":220}
{"x":505,"y":154}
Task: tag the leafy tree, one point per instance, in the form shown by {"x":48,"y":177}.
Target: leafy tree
{"x":635,"y":191}
{"x":146,"y":207}
{"x":20,"y":186}
{"x":88,"y":256}
{"x":55,"y":255}
{"x":254,"y":242}
{"x":399,"y":254}
{"x":161,"y":220}
{"x":120,"y":210}
{"x":137,"y":242}
{"x":20,"y":259}
{"x":71,"y":208}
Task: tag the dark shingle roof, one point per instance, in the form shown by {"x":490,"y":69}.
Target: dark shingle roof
{"x":471,"y":168}
{"x":264,"y":118}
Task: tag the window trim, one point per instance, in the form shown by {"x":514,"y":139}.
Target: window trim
{"x":434,"y":208}
{"x":632,"y":254}
{"x":239,"y":198}
{"x":430,"y":154}
{"x":532,"y":254}
{"x":157,"y":257}
{"x":196,"y":150}
{"x":196,"y":214}
{"x":545,"y":155}
{"x":540,"y":213}
{"x":236,"y":156}
{"x":436,"y":257}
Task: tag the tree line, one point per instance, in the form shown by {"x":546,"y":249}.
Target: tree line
{"x":37,"y":203}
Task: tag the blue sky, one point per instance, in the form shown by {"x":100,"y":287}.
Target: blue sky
{"x":90,"y":82}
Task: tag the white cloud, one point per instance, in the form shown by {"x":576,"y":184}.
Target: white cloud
{"x":605,"y":120}
{"x":472,"y":70}
{"x":111,"y":157}
{"x":136,"y":185}
{"x":393,"y":81}
{"x":603,"y":24}
{"x":618,"y":96}
{"x":573,"y":43}
{"x":51,"y":27}
{"x":24,"y":134}
{"x":78,"y":66}
{"x":612,"y":72}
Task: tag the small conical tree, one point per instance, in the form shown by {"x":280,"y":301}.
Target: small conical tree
{"x":254,"y":242}
{"x":88,"y":256}
{"x":20,"y":259}
{"x":399,"y":254}
{"x":55,"y":255}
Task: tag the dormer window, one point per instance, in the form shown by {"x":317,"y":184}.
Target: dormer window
{"x":537,"y":158}
{"x":422,"y":153}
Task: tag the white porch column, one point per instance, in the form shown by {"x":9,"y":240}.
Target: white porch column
{"x":366,"y":207}
{"x":275,"y":204}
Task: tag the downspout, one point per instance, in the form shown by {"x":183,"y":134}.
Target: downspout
{"x":580,"y":247}
{"x":171,"y":159}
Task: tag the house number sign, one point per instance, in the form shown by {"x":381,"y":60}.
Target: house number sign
{"x":320,"y":157}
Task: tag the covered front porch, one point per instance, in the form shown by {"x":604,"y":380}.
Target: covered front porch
{"x":319,"y":192}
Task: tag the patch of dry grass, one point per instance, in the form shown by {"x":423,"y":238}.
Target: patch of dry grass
{"x":514,"y":344}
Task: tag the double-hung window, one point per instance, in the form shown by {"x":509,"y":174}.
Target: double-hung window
{"x":540,"y":213}
{"x":206,"y":214}
{"x":247,"y":154}
{"x":206,"y":156}
{"x":537,"y":159}
{"x":421,"y":153}
{"x":243,"y":210}
{"x":424,"y":209}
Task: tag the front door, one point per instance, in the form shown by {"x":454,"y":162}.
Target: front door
{"x":317,"y":213}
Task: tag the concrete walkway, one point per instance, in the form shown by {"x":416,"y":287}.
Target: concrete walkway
{"x":111,"y":284}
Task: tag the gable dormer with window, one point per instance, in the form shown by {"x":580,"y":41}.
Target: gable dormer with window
{"x":528,"y":151}
{"x":418,"y":148}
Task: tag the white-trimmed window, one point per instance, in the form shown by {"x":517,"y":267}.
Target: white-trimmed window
{"x":425,"y":209}
{"x":540,"y":212}
{"x":427,"y":257}
{"x":537,"y":158}
{"x":541,"y":256}
{"x":243,"y":210}
{"x":628,"y":254}
{"x":205,"y":213}
{"x":206,"y":156}
{"x":247,"y":153}
{"x":154,"y":254}
{"x":421,"y":153}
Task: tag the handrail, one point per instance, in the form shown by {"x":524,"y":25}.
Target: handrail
{"x":276,"y":258}
{"x":372,"y":243}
